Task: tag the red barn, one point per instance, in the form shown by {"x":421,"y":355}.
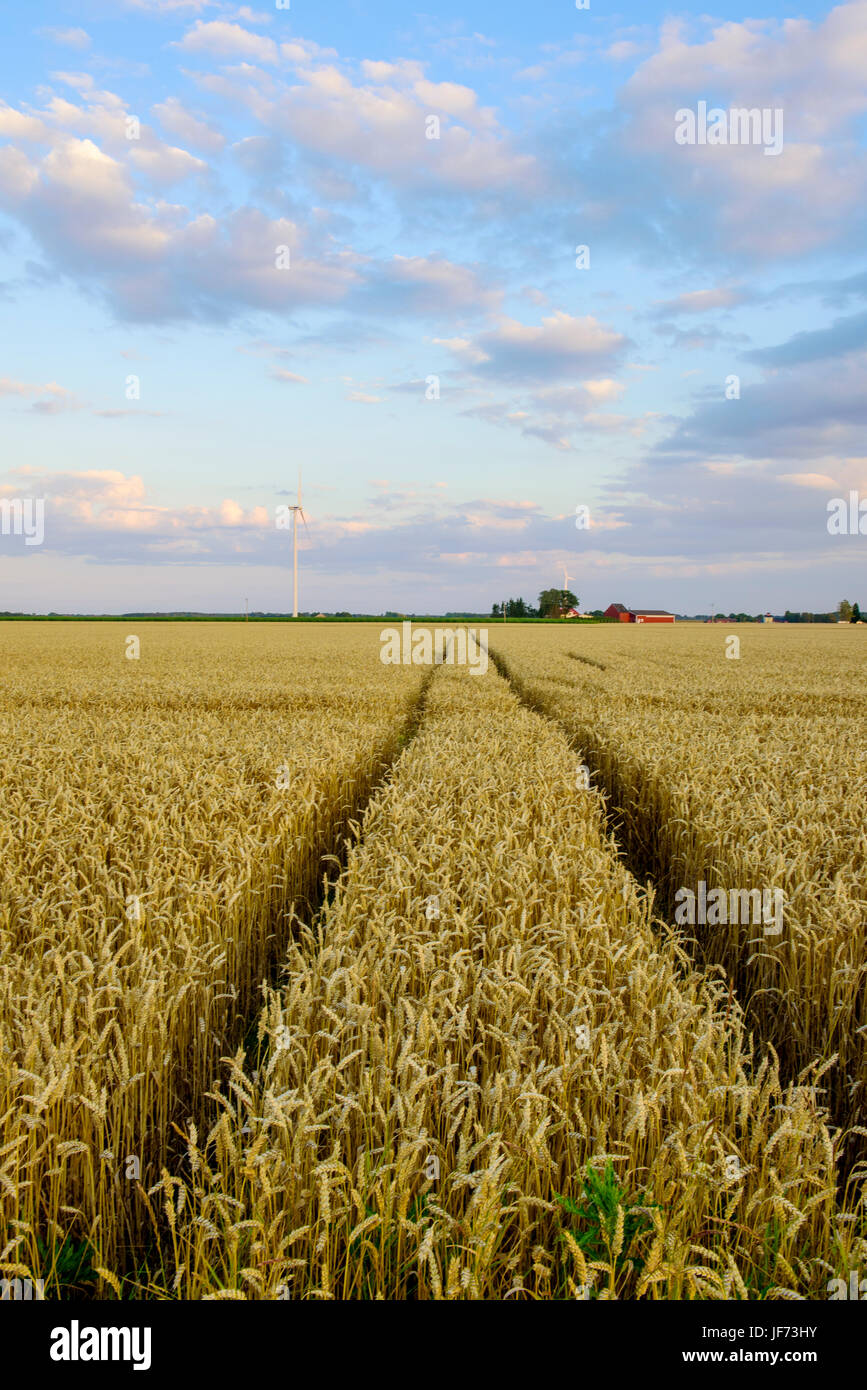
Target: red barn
{"x":650,"y":615}
{"x":638,"y":615}
{"x":616,"y":610}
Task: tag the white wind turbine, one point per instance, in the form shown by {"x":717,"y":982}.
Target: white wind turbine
{"x":566,"y":578}
{"x":295,"y":510}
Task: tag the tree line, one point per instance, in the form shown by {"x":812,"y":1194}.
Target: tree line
{"x":553,"y":603}
{"x":846,"y":612}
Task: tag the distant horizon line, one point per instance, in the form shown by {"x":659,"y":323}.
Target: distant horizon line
{"x":262,"y":615}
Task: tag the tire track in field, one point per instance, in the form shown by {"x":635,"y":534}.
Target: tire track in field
{"x":332,"y":850}
{"x":403,"y":1036}
{"x":335,"y":848}
{"x":640,"y":829}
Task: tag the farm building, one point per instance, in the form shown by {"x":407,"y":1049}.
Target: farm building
{"x":651,"y":615}
{"x":638,"y":615}
{"x":616,"y":610}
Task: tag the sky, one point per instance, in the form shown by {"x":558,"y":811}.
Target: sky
{"x":468,"y":272}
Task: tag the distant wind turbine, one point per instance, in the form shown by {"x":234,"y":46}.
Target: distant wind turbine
{"x":295,"y":510}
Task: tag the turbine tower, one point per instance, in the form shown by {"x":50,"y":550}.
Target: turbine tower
{"x":566,"y":578}
{"x":295,"y":510}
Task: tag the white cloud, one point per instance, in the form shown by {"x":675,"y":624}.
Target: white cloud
{"x":464,"y":349}
{"x":699,"y":301}
{"x":605,"y":390}
{"x":813,"y":74}
{"x":619,"y":52}
{"x":379,"y":122}
{"x":16,"y":125}
{"x":102,"y":118}
{"x":817,"y":480}
{"x":171,"y":6}
{"x":432,"y":284}
{"x":68,"y":38}
{"x":558,"y":346}
{"x":456,"y":100}
{"x":281,"y":374}
{"x":52,"y":398}
{"x":159,"y":260}
{"x":174,"y":117}
{"x":107,"y":502}
{"x":166,"y":165}
{"x":221,"y":39}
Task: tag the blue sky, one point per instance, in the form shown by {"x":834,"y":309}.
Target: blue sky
{"x":451,"y":382}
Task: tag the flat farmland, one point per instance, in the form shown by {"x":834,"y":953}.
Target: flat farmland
{"x":161,"y":816}
{"x":322,"y":977}
{"x":744,"y":772}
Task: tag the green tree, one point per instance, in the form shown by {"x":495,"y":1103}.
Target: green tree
{"x":844,"y":611}
{"x":856,"y":614}
{"x":553,"y":602}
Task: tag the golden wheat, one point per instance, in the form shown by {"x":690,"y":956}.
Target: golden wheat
{"x":490,"y":1069}
{"x":484,"y":1018}
{"x":743,"y":773}
{"x":148,"y":860}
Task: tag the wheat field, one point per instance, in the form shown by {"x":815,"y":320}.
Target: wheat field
{"x":741,"y":772}
{"x":481,"y":1061}
{"x":148,"y":862}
